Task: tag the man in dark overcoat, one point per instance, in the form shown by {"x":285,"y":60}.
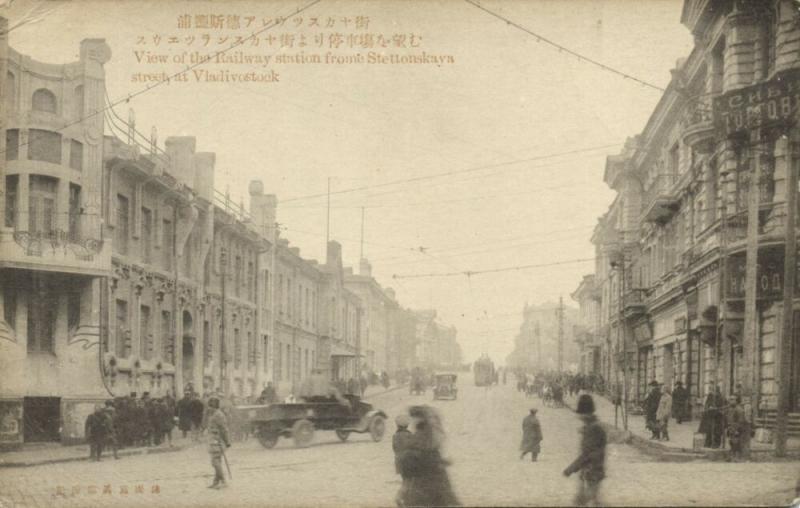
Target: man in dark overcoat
{"x":651,"y":403}
{"x":531,"y":436}
{"x":680,"y":402}
{"x":184,"y":413}
{"x":96,"y":432}
{"x":591,"y":462}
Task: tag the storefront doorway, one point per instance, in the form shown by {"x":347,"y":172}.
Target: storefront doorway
{"x":41,"y":419}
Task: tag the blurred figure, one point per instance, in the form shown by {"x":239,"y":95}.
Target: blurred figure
{"x":663,"y":413}
{"x":268,"y":395}
{"x":591,"y":462}
{"x":651,"y":408}
{"x":112,"y":424}
{"x":400,"y":443}
{"x":96,"y":432}
{"x":196,"y":414}
{"x":218,"y":440}
{"x":531,"y":436}
{"x":680,"y":403}
{"x":184,"y":413}
{"x":422,"y":464}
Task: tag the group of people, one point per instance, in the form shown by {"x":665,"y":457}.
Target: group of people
{"x":726,"y":419}
{"x":130,"y":421}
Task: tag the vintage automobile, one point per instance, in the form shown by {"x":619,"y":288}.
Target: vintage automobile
{"x":445,"y":387}
{"x":299,"y":421}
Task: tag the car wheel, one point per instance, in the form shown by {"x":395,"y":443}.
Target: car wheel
{"x":303,"y":433}
{"x":267,"y":439}
{"x":343,"y":435}
{"x":377,"y":427}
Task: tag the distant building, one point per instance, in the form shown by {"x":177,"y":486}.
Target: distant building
{"x":536,"y":345}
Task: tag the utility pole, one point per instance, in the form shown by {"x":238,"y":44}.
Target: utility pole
{"x":560,"y":332}
{"x":750,"y":335}
{"x":789,"y":274}
{"x":362,"y":233}
{"x":328,"y":217}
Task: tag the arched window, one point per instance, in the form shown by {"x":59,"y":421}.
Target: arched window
{"x":44,"y":100}
{"x":11,"y":91}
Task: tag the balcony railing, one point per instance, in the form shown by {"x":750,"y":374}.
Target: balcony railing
{"x":659,"y":201}
{"x":697,"y":113}
{"x":633,"y":302}
{"x":771,"y":222}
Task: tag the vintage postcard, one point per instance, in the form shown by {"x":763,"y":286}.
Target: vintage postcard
{"x":399,"y":253}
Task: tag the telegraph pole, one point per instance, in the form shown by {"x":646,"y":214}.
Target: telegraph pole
{"x":789,"y":274}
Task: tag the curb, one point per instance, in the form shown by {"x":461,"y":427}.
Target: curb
{"x":389,"y":390}
{"x":63,"y":460}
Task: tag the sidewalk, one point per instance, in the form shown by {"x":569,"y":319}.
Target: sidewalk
{"x":680,"y":446}
{"x":374,"y":390}
{"x":55,"y":453}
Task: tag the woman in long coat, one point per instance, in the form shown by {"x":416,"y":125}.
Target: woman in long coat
{"x":531,"y":436}
{"x":423,"y":465}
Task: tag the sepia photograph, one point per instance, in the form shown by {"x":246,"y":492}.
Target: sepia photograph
{"x":399,"y":253}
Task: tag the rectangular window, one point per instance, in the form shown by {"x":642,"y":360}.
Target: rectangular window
{"x":44,"y":146}
{"x":280,"y":294}
{"x":122,"y":230}
{"x":167,"y":340}
{"x":265,"y":354}
{"x":123,"y":333}
{"x":10,"y":303}
{"x":73,"y":310}
{"x":288,"y":361}
{"x":167,"y":244}
{"x":279,"y":360}
{"x":147,"y":234}
{"x":187,"y":257}
{"x":12,"y":188}
{"x":237,"y":266}
{"x":42,"y":309}
{"x":76,"y":155}
{"x":74,"y":213}
{"x":237,"y":349}
{"x":208,"y":343}
{"x":145,"y":333}
{"x":251,"y":351}
{"x":12,"y":144}
{"x":42,"y":205}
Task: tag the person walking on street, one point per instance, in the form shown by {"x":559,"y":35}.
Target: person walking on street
{"x":196,"y":412}
{"x":112,"y":424}
{"x":531,"y":436}
{"x":218,"y":441}
{"x":664,"y":413}
{"x":184,"y":414}
{"x":680,"y":403}
{"x":400,"y":443}
{"x":96,"y":431}
{"x":711,"y":422}
{"x":651,"y":403}
{"x":422,"y":463}
{"x":591,"y":461}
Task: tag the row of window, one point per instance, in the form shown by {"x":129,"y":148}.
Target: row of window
{"x":45,"y":146}
{"x":304,"y":359}
{"x":43,"y":209}
{"x":296,"y":299}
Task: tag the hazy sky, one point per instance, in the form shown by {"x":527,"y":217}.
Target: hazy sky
{"x":504,"y":106}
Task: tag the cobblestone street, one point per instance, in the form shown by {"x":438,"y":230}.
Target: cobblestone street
{"x":483,"y":435}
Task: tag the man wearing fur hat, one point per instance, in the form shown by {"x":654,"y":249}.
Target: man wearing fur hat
{"x":591,"y":462}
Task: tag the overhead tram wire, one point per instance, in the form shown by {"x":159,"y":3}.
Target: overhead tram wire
{"x":560,"y":48}
{"x":470,"y":273}
{"x":169,"y":78}
{"x":450,"y":173}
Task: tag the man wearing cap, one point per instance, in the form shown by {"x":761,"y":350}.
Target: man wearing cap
{"x":591,"y":462}
{"x":217,"y":442}
{"x":531,"y":436}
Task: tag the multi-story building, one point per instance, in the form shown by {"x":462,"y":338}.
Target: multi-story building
{"x":697,"y":230}
{"x":587,"y":330}
{"x":536,"y":345}
{"x":376,"y":325}
{"x":54,"y":249}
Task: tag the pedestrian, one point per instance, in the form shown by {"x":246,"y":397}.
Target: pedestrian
{"x":422,"y":464}
{"x":218,"y":441}
{"x":531,"y":436}
{"x":112,"y":424}
{"x":96,"y":431}
{"x":166,"y":421}
{"x":663,"y":413}
{"x":400,"y":442}
{"x":196,"y":413}
{"x":268,"y":395}
{"x":738,"y":428}
{"x":184,"y":414}
{"x":650,"y":410}
{"x":591,"y":461}
{"x":711,"y":421}
{"x":680,"y":403}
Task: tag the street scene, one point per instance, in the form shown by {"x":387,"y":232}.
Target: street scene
{"x":399,"y":253}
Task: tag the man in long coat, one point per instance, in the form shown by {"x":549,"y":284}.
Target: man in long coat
{"x":663,"y":413}
{"x":591,"y":462}
{"x":184,"y":413}
{"x":712,"y":420}
{"x":651,"y":408}
{"x":96,"y":431}
{"x":531,"y":436}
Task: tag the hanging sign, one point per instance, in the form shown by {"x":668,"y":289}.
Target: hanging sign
{"x":765,"y":104}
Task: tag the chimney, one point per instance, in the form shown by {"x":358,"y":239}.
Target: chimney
{"x":204,"y":175}
{"x":181,"y":154}
{"x":365,"y":268}
{"x":263,"y":208}
{"x":334,"y":253}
